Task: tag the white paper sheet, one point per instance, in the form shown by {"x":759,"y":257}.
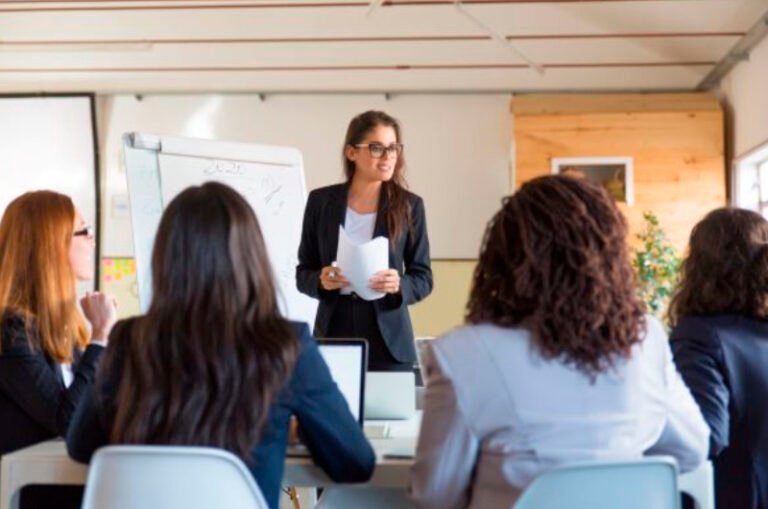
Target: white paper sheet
{"x":359,"y":262}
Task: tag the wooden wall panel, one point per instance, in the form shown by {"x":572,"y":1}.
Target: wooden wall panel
{"x":679,"y":169}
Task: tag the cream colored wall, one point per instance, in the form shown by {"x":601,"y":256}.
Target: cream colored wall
{"x":441,"y":311}
{"x":444,"y":309}
{"x":745,"y":94}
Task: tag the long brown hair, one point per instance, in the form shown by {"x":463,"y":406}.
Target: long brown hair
{"x":554,"y":259}
{"x":398,"y":211}
{"x":36,"y":276}
{"x":726,"y":268}
{"x":205,"y":363}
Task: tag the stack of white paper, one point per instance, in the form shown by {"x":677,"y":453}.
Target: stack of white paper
{"x":359,"y":262}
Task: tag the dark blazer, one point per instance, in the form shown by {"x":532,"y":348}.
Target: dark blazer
{"x":34,"y":403}
{"x":724,"y":361}
{"x":326,"y":210}
{"x":330,"y":432}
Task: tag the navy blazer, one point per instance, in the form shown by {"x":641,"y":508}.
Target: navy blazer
{"x":34,"y":403}
{"x":330,"y":432}
{"x":724,"y":361}
{"x":326,"y":210}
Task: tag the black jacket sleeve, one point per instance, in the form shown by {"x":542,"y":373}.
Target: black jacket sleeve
{"x":27,"y":378}
{"x":308,"y":269}
{"x":86,"y":432}
{"x":699,"y":358}
{"x":416,"y":280}
{"x":328,"y":428}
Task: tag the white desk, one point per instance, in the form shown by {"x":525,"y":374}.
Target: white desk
{"x":48,"y":463}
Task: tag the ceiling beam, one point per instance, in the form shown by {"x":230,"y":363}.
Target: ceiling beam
{"x":417,"y":67}
{"x":19,"y":6}
{"x":739,"y":53}
{"x":10,"y":43}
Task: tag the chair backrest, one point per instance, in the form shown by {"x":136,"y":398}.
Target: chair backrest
{"x":640,"y":484}
{"x":148,"y":477}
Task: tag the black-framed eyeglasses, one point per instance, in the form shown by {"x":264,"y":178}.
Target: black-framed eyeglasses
{"x":88,"y":232}
{"x":377,"y":149}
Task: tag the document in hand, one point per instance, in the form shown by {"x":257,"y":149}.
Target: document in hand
{"x":361,"y":261}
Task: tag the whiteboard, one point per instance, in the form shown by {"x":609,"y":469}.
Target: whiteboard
{"x":270,"y":178}
{"x":48,"y":143}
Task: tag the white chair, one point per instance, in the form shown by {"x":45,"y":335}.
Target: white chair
{"x":648,"y":483}
{"x":154,"y":477}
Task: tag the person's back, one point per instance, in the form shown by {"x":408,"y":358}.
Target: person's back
{"x":527,"y":414}
{"x":213,"y":362}
{"x":557,"y":361}
{"x":719,"y":313}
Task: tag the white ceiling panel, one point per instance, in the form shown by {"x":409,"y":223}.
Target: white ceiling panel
{"x":315,"y":45}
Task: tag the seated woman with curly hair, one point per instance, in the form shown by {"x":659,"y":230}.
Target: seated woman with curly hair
{"x":720,"y":343}
{"x":557,"y":362}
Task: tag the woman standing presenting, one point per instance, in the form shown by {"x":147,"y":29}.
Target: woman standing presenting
{"x":372,"y":202}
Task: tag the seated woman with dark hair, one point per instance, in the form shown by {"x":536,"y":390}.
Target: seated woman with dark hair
{"x":557,"y":362}
{"x":213,"y":363}
{"x":720,"y":343}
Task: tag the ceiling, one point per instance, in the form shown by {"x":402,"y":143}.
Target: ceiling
{"x":351,"y":46}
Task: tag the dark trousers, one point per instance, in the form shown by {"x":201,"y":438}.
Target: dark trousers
{"x":354,"y":317}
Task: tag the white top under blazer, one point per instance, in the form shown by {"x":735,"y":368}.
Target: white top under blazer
{"x":496,"y":414}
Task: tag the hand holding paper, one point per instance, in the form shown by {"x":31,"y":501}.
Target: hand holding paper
{"x":361,"y":262}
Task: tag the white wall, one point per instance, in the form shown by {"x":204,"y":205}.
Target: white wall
{"x":457,"y":149}
{"x":746,"y":93}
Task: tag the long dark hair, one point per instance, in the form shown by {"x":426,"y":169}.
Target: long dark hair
{"x":205,"y":363}
{"x":398,"y":211}
{"x":554,"y":259}
{"x":726,"y":268}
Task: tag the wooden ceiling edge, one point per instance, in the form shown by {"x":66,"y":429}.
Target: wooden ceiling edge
{"x":545,"y":103}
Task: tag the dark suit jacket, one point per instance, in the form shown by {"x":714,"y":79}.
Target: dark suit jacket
{"x":34,"y":403}
{"x":326,"y":210}
{"x":330,"y":432}
{"x":724,"y":361}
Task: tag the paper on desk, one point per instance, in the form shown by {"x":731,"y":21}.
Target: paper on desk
{"x":361,"y":261}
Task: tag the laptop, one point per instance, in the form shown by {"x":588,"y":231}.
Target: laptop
{"x":347,"y":360}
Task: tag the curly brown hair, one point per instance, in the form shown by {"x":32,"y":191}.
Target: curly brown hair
{"x":554,"y":259}
{"x":726,"y":268}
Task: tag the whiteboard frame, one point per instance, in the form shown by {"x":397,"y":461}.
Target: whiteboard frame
{"x":142,"y":153}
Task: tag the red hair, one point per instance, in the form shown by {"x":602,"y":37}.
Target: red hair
{"x":36,"y":276}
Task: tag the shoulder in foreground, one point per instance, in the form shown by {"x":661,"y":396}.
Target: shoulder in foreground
{"x":709,"y":327}
{"x":13,"y":330}
{"x":301,"y":331}
{"x":468,"y":335}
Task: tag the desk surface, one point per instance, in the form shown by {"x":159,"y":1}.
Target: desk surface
{"x":48,"y":463}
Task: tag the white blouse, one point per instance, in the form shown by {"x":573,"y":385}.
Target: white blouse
{"x":497,"y":414}
{"x":359,"y":228}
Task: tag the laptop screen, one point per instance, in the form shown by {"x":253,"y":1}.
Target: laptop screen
{"x":347,"y":360}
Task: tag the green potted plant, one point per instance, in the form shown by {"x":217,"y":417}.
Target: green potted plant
{"x":657,"y":265}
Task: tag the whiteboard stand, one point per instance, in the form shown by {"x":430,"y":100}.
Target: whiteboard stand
{"x":270,"y":178}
